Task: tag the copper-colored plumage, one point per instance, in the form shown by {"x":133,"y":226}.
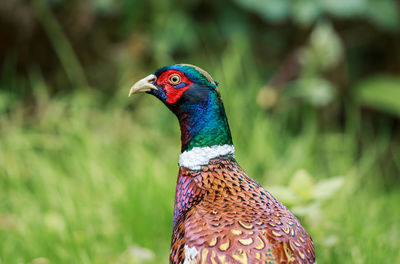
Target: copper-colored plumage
{"x":230,"y":218}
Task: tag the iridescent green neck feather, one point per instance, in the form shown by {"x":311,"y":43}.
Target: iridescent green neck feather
{"x":202,"y":119}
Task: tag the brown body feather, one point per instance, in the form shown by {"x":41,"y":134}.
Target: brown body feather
{"x":227,"y":217}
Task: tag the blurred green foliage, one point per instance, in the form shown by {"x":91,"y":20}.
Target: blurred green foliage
{"x":380,"y":92}
{"x":383,"y":13}
{"x":311,"y":90}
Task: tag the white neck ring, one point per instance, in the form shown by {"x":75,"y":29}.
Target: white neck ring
{"x":200,"y":156}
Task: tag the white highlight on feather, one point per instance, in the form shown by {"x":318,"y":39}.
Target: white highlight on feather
{"x":199,"y":156}
{"x":190,"y":255}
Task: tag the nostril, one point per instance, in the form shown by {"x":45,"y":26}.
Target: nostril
{"x":152,"y":80}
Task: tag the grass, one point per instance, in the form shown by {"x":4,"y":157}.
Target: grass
{"x":86,"y":182}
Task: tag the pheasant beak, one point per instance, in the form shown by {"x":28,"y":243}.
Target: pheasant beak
{"x":144,"y":85}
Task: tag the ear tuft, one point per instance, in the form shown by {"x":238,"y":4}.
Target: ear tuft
{"x":202,"y":72}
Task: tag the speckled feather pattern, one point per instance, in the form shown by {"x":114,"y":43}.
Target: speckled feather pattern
{"x":227,"y":217}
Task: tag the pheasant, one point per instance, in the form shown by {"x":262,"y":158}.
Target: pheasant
{"x":221,"y":215}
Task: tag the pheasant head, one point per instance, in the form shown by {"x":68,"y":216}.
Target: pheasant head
{"x":192,"y":95}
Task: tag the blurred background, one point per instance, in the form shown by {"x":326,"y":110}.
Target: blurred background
{"x":312,"y":93}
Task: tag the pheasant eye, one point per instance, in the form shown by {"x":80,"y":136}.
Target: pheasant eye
{"x":174,"y":79}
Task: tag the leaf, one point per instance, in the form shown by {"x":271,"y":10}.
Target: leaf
{"x":325,"y":189}
{"x":284,"y":194}
{"x":381,"y":93}
{"x":312,"y":212}
{"x":104,"y":5}
{"x":317,"y":92}
{"x":302,"y":184}
{"x":384,"y":13}
{"x":325,"y":47}
{"x":270,"y":10}
{"x":344,"y":8}
{"x":305,"y":12}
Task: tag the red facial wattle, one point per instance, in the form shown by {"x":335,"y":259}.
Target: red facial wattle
{"x":173,"y":91}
